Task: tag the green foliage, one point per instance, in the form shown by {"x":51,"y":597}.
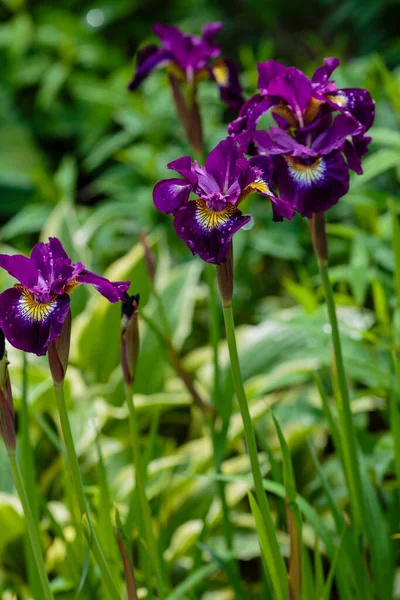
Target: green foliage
{"x":78,"y":159}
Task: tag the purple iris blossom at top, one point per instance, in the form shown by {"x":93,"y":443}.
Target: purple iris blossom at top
{"x":208,"y":223}
{"x":190,"y":58}
{"x":309,"y":168}
{"x":309,"y":145}
{"x":32,"y":313}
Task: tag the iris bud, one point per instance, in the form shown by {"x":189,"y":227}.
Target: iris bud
{"x":7,"y":417}
{"x":129,"y":338}
{"x":58,"y":353}
{"x":149,"y":258}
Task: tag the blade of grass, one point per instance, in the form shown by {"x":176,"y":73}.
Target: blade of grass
{"x":293,"y":516}
{"x":191,"y":582}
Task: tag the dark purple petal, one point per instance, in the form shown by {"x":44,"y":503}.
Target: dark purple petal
{"x":149,"y":59}
{"x":294,"y":88}
{"x":277,"y":141}
{"x":208,"y":233}
{"x":354,"y":150}
{"x":28,"y":325}
{"x":171,"y":37}
{"x":335,"y":136}
{"x":357,"y":102}
{"x":112,"y":290}
{"x":267,"y":72}
{"x":225,"y":74}
{"x":312,"y":187}
{"x":170,"y":194}
{"x":323,"y":73}
{"x":20,"y":267}
{"x":222,"y":164}
{"x":185,"y":167}
{"x":210,"y":30}
{"x":243,"y":128}
{"x":55,"y":269}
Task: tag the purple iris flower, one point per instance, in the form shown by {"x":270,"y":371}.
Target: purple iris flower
{"x":32,"y":313}
{"x":208,"y":223}
{"x":309,"y":143}
{"x":190,"y":58}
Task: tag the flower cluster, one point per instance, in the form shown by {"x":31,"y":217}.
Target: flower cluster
{"x":33,"y":312}
{"x":207,"y":224}
{"x":190,"y":58}
{"x":320,"y":132}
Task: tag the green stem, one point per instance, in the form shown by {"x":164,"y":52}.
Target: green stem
{"x":80,"y":494}
{"x":277,"y":570}
{"x":395,"y":413}
{"x":140,"y":484}
{"x":32,"y":528}
{"x":346,"y":428}
{"x":218,"y":443}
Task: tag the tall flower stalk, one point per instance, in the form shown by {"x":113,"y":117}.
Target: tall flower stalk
{"x":320,"y":136}
{"x":7,"y":431}
{"x":129,"y":356}
{"x":276,"y":565}
{"x":347,"y":433}
{"x":35,"y":316}
{"x":207,"y":225}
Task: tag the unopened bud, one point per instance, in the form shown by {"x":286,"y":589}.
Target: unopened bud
{"x":129,"y":338}
{"x":58,"y":353}
{"x":225,"y":279}
{"x":7,"y":417}
{"x":149,"y":258}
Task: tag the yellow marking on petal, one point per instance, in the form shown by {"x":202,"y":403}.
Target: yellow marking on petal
{"x":210,"y":219}
{"x":338,"y":99}
{"x":284,"y":111}
{"x":306,"y":174}
{"x":312,"y":110}
{"x":32,"y":310}
{"x":71,"y":286}
{"x":221,"y":73}
{"x":259,"y":185}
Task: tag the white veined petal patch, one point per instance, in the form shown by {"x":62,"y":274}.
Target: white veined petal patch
{"x":306,"y":175}
{"x":32,"y":310}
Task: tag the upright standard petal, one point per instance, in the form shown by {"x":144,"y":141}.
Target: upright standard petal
{"x":222,"y":163}
{"x":294,"y":88}
{"x":206,"y":232}
{"x":210,"y":30}
{"x":322,"y":74}
{"x":170,"y":194}
{"x":312,"y":186}
{"x":20,"y":267}
{"x":267,"y":72}
{"x":29,"y":325}
{"x":112,"y":290}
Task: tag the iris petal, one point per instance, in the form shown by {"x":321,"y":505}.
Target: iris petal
{"x":312,"y":186}
{"x":28,"y":325}
{"x":208,"y":233}
{"x":170,"y":194}
{"x":20,"y":267}
{"x":112,"y":290}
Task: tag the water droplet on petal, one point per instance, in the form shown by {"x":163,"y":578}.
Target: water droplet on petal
{"x":182,"y":229}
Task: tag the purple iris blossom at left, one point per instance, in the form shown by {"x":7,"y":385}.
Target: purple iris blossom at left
{"x":190,"y":58}
{"x":32,"y":313}
{"x":208,"y":223}
{"x":312,"y":148}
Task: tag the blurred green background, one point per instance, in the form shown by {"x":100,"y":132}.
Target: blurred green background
{"x":79,"y":156}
